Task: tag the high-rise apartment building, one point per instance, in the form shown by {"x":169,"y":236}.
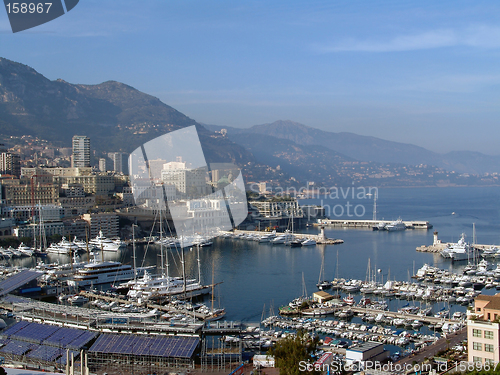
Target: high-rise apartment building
{"x":120,"y":162}
{"x":81,"y":151}
{"x":9,"y":162}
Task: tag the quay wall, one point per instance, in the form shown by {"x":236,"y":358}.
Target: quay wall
{"x":436,"y":248}
{"x":413,"y":224}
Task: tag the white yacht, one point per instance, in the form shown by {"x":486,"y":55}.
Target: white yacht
{"x":309,"y":242}
{"x":458,"y":251}
{"x":106,"y":244}
{"x":81,"y":244}
{"x":25,"y":250}
{"x":101,"y":273}
{"x":284,"y":238}
{"x":63,"y":247}
{"x":149,"y":287}
{"x":395,"y":226}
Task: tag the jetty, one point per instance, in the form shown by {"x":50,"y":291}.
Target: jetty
{"x":438,"y":246}
{"x":320,"y":238}
{"x":164,"y":308}
{"x":412,"y":224}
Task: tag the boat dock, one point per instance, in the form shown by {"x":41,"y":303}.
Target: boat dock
{"x":165,"y":308}
{"x":398,"y":315}
{"x":412,"y":224}
{"x":320,"y":239}
{"x":438,"y":246}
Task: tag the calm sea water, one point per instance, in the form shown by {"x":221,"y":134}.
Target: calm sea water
{"x":255,"y":278}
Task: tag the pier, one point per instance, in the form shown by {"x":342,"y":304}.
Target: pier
{"x":398,"y":315}
{"x":438,"y":246}
{"x":320,"y":239}
{"x":413,"y":224}
{"x":165,"y":308}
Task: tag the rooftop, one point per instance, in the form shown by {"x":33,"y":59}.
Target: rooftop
{"x":365,"y":346}
{"x":493,"y":301}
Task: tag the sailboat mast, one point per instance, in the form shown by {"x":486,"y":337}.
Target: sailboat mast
{"x":183,"y":270}
{"x":161,"y":246}
{"x":337,"y":270}
{"x":473,"y":233}
{"x":367,"y":276}
{"x":213,"y":272}
{"x":304,"y":289}
{"x":199,"y":265}
{"x":133,"y":252}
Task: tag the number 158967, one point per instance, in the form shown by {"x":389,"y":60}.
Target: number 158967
{"x":28,"y":7}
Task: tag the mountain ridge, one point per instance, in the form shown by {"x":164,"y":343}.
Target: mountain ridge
{"x":369,"y":148}
{"x":118,"y":117}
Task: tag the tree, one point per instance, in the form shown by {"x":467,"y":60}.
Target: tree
{"x":2,"y":371}
{"x":291,"y":354}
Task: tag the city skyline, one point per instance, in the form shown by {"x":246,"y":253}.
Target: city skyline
{"x":413,"y":72}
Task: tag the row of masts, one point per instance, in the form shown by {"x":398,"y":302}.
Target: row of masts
{"x":164,"y":260}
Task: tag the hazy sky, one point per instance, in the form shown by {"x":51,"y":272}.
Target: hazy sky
{"x":422,"y":72}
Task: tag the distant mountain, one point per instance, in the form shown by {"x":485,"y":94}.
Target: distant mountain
{"x":311,"y":163}
{"x":115,"y":116}
{"x":367,"y":148}
{"x":118,"y":117}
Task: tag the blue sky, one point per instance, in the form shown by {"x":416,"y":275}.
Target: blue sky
{"x":421,"y":72}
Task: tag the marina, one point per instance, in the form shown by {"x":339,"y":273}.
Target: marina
{"x":349,"y":223}
{"x":404,"y":299}
{"x":258,"y":236}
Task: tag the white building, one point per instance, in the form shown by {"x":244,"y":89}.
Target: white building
{"x":207,"y":215}
{"x":188,"y":182}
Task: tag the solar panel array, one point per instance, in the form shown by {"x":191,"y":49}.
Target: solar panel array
{"x":82,"y":340}
{"x":15,"y":328}
{"x":13,"y":282}
{"x":46,"y":353}
{"x":35,"y":332}
{"x":167,"y":347}
{"x":63,"y":359}
{"x":49,"y":335}
{"x":17,"y":347}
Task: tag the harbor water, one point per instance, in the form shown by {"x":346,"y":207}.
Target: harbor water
{"x":257,"y":278}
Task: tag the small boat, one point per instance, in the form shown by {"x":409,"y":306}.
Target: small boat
{"x":380,"y":226}
{"x":416,"y":324}
{"x":25,"y":250}
{"x":309,"y":242}
{"x":395,"y":226}
{"x":349,"y":300}
{"x":77,"y":300}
